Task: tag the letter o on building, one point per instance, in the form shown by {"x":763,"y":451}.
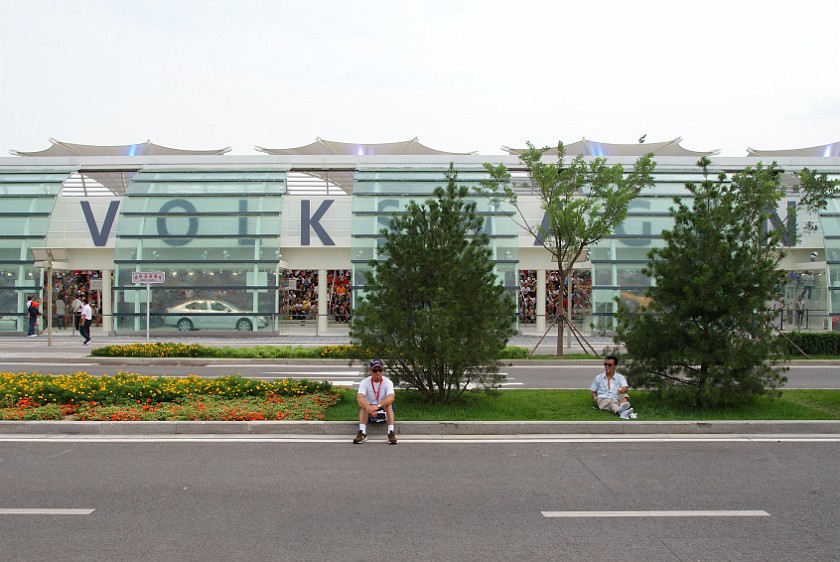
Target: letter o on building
{"x":192,"y":227}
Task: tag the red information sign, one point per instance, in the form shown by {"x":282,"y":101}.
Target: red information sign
{"x":148,"y":276}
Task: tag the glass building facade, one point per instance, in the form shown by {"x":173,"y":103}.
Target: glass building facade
{"x":617,"y":260}
{"x":216,"y":237}
{"x":379,"y":193}
{"x":231,"y":236}
{"x":27,"y":199}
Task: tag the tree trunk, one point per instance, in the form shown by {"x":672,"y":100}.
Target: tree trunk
{"x":560,"y":327}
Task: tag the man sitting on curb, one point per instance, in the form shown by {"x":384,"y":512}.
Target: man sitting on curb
{"x":375,"y":398}
{"x":609,"y":390}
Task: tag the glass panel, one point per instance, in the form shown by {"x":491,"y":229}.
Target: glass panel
{"x":27,"y":198}
{"x":220,"y":253}
{"x":378,"y":194}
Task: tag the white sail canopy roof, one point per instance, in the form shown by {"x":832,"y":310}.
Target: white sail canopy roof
{"x":592,"y":148}
{"x":147,"y":148}
{"x":822,"y":151}
{"x":107,"y":182}
{"x":323,"y":147}
{"x":343,"y":179}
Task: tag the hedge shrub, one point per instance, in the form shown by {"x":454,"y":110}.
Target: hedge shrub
{"x":813,"y":343}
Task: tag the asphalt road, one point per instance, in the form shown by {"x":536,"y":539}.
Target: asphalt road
{"x":652,"y":500}
{"x":516,"y":376}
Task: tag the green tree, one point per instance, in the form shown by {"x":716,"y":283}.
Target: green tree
{"x":706,"y":338}
{"x":434,"y":308}
{"x":582,"y":202}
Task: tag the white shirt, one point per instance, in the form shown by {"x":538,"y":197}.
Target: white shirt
{"x":87,"y":312}
{"x":376,"y":392}
{"x":602,"y":390}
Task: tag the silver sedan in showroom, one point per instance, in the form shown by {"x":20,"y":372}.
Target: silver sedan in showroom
{"x":211,"y":315}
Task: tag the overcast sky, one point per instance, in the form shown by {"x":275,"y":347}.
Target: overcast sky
{"x":461,"y":76}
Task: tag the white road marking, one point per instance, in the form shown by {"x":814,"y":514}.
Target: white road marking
{"x":298,"y":374}
{"x":44,"y":511}
{"x":281,"y":437}
{"x":40,"y":364}
{"x":224,"y":366}
{"x":698,"y":513}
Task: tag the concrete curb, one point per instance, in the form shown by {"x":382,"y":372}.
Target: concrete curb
{"x":463,"y":428}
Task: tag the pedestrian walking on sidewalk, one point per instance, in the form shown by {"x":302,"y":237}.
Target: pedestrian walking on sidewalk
{"x":76,"y":307}
{"x":34,"y":313}
{"x":85,"y":320}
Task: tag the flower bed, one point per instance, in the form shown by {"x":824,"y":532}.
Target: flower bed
{"x":177,"y":350}
{"x":132,"y":397}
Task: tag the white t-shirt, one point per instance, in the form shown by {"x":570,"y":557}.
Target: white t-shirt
{"x":87,"y":312}
{"x":376,"y":392}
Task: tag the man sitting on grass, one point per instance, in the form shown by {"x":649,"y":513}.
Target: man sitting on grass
{"x":609,"y":390}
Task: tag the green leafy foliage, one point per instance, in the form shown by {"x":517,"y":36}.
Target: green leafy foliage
{"x":583,"y":201}
{"x":434,"y":308}
{"x":706,"y":340}
{"x":813,"y":343}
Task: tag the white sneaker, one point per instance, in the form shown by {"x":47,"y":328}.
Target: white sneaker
{"x":633,"y":416}
{"x":625,"y":415}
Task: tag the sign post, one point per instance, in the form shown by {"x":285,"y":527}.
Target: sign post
{"x":147,"y":278}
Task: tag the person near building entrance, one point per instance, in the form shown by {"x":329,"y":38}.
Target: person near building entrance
{"x":85,"y":320}
{"x":76,"y":306}
{"x":609,"y":390}
{"x":808,"y":282}
{"x":800,"y":310}
{"x":34,"y":313}
{"x":375,"y":399}
{"x":59,"y":309}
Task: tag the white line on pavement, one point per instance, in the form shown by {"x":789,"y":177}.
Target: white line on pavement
{"x":314,"y":373}
{"x":424,"y":439}
{"x":683,"y":513}
{"x":41,"y":364}
{"x":43,"y":511}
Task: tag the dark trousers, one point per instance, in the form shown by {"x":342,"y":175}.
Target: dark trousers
{"x":33,"y":325}
{"x":84,"y":329}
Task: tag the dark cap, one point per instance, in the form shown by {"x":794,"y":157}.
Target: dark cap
{"x":375,"y":363}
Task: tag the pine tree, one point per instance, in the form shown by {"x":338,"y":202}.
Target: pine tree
{"x":707,"y":339}
{"x":434,"y":308}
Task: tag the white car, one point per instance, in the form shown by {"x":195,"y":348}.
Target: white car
{"x":211,"y":315}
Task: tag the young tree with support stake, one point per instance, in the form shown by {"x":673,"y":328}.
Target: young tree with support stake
{"x":434,"y":308}
{"x":706,"y":338}
{"x":582,"y":202}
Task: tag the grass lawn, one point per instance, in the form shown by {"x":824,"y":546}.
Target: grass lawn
{"x":576,"y":405}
